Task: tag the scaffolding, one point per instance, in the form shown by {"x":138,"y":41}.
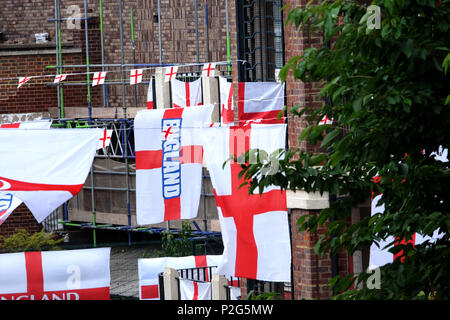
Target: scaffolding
{"x":122,"y":139}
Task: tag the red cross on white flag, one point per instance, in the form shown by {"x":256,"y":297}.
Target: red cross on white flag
{"x":255,"y":227}
{"x":60,"y":78}
{"x":169,"y":157}
{"x":170,"y":73}
{"x":56,"y":275}
{"x":325,"y":120}
{"x":22,"y":81}
{"x":105,"y":139}
{"x":209,"y":70}
{"x":135,"y":76}
{"x":99,"y":78}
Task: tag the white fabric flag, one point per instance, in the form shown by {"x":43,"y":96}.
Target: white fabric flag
{"x":186,"y":94}
{"x":379,"y":256}
{"x":104,"y":138}
{"x":22,"y":81}
{"x":255,"y":229}
{"x":226,"y":101}
{"x":60,"y":78}
{"x":135,"y":76}
{"x":45,"y":168}
{"x":150,"y":95}
{"x":150,"y":268}
{"x":209,"y":70}
{"x":170,"y":73}
{"x":36,"y":124}
{"x":260,"y":102}
{"x":194,"y":290}
{"x":99,"y":78}
{"x":55,"y":275}
{"x":169,"y":157}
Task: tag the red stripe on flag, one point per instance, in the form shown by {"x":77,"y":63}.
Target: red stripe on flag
{"x":149,"y":104}
{"x":172,"y":209}
{"x":241,"y":99}
{"x":150,"y":292}
{"x":152,"y":159}
{"x":200,"y":261}
{"x":173,"y":113}
{"x":195,"y":297}
{"x":15,"y":185}
{"x":35,"y":274}
{"x":10,"y":125}
{"x":148,"y":159}
{"x":188,"y":94}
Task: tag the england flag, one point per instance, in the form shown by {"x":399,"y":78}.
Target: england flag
{"x":55,"y":275}
{"x":186,"y":94}
{"x":169,"y":157}
{"x":226,"y":101}
{"x":150,"y":268}
{"x":260,"y":102}
{"x":255,"y":228}
{"x":45,"y":168}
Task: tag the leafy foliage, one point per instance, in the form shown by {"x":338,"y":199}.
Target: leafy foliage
{"x":174,"y":245}
{"x":22,"y":240}
{"x":387,"y":90}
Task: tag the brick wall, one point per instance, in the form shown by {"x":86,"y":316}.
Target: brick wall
{"x":20,"y":218}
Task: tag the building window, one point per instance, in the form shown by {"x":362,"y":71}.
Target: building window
{"x":260,"y":39}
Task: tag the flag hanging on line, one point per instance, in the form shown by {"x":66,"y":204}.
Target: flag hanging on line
{"x":169,"y":157}
{"x":186,"y":94}
{"x":150,"y":268}
{"x":135,"y":76}
{"x":56,"y":275}
{"x":150,"y":95}
{"x":226,"y":101}
{"x":194,"y":290}
{"x":45,"y":168}
{"x":170,"y":73}
{"x":60,"y":78}
{"x":35,"y":124}
{"x":254,"y":227}
{"x":260,"y":102}
{"x":325,"y":120}
{"x":209,"y":70}
{"x":22,"y":81}
{"x":99,"y":78}
{"x":104,"y":139}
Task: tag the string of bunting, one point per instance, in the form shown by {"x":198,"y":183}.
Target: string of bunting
{"x":136,"y":75}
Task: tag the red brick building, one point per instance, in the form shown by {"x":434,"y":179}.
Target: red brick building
{"x":257,"y":35}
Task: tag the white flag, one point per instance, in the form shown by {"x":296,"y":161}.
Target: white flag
{"x":194,"y":290}
{"x":186,"y":94}
{"x":169,"y":157}
{"x":170,"y":73}
{"x":45,"y":168}
{"x":255,"y":229}
{"x":55,"y":275}
{"x":135,"y":76}
{"x":150,"y":268}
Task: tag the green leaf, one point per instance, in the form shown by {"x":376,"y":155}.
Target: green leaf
{"x":330,"y":137}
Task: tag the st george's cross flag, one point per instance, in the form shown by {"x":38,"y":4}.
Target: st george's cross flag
{"x":56,"y":275}
{"x":150,"y":100}
{"x":194,"y":290}
{"x":170,"y":73}
{"x":186,"y":94}
{"x":45,"y":168}
{"x":255,"y":229}
{"x":35,"y":124}
{"x":105,"y":138}
{"x":135,"y":76}
{"x":325,"y":120}
{"x":99,"y":78}
{"x":22,"y":81}
{"x":150,"y":268}
{"x":260,"y":102}
{"x":379,"y":252}
{"x":209,"y":70}
{"x":60,"y":78}
{"x":169,"y":157}
{"x":226,"y":101}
